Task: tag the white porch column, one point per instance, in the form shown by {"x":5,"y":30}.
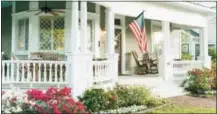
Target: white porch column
{"x":110,"y":50}
{"x":110,"y":47}
{"x":83,"y":18}
{"x":95,"y":45}
{"x":13,"y":40}
{"x":80,"y":63}
{"x":34,"y":26}
{"x":204,"y":47}
{"x":164,"y":61}
{"x":74,"y":28}
{"x":123,"y":47}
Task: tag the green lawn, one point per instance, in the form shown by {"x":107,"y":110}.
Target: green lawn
{"x":184,"y":109}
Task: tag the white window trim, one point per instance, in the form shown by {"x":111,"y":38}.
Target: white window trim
{"x":94,"y":17}
{"x":15,"y":18}
{"x":52,"y":41}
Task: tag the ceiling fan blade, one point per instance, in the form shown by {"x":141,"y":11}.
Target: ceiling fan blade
{"x":33,"y":10}
{"x":38,"y":13}
{"x":53,"y":13}
{"x":59,"y":11}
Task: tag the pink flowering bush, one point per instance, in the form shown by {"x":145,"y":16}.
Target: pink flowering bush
{"x":36,"y":101}
{"x":201,"y":80}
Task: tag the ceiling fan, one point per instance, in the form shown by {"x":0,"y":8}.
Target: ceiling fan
{"x":47,"y":9}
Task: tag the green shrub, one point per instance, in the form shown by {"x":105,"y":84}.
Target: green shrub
{"x":212,"y":53}
{"x":94,"y":100}
{"x":132,"y":95}
{"x":200,"y":81}
{"x":186,"y":56}
{"x":97,"y":100}
{"x":111,"y":99}
{"x":213,"y":72}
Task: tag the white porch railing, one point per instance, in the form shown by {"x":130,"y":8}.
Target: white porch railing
{"x":103,"y":74}
{"x":182,"y":67}
{"x":28,"y":72}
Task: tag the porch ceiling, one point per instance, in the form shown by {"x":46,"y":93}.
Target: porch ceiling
{"x":6,"y":4}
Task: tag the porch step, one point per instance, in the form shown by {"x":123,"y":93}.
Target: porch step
{"x":168,"y":89}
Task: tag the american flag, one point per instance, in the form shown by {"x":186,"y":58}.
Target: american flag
{"x":137,"y":26}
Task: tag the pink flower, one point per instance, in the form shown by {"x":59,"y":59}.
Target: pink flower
{"x":3,"y":92}
{"x":51,"y":92}
{"x":65,"y":91}
{"x":37,"y":95}
{"x":14,"y":99}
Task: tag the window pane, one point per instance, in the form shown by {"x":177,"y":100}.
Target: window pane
{"x":58,"y":33}
{"x":89,"y":34}
{"x":22,"y":28}
{"x":45,"y":33}
{"x":26,"y":33}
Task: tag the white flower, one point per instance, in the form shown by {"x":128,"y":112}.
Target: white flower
{"x":32,"y":103}
{"x":19,"y":109}
{"x":7,"y":111}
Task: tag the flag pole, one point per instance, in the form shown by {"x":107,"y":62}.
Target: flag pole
{"x":128,"y":24}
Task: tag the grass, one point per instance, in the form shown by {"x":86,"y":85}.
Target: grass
{"x":184,"y":109}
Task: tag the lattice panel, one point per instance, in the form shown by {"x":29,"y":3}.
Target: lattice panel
{"x":58,"y":33}
{"x":45,"y":33}
{"x":52,"y":33}
{"x":22,"y":28}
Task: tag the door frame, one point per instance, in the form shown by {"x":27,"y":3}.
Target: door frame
{"x":122,"y":56}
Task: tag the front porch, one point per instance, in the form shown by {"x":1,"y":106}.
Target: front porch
{"x":84,"y":37}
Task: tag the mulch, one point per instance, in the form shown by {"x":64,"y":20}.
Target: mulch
{"x":186,"y":100}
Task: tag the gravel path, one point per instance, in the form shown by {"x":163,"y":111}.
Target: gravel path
{"x":194,"y":101}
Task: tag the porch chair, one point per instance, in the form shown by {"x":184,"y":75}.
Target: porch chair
{"x":25,"y":69}
{"x":152,"y":62}
{"x":141,"y":66}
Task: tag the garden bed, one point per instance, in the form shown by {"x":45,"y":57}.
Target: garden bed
{"x":135,"y":109}
{"x":201,"y":82}
{"x":207,"y":94}
{"x":121,"y":99}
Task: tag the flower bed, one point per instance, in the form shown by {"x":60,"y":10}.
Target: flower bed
{"x":129,"y":109}
{"x":121,"y":99}
{"x":33,"y":101}
{"x":201,"y":81}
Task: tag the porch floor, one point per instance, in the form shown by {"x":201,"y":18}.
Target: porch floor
{"x":155,"y":83}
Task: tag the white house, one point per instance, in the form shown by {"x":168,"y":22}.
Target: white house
{"x":193,"y":40}
{"x":85,"y":33}
{"x":211,"y":21}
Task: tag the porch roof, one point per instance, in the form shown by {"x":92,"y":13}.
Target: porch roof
{"x":183,"y":13}
{"x":194,"y":7}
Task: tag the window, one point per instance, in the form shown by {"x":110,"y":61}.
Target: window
{"x":52,"y":33}
{"x":197,"y":49}
{"x":89,"y":33}
{"x":117,"y":22}
{"x":22,"y":33}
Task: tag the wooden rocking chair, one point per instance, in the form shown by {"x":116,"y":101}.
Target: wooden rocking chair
{"x":152,"y":62}
{"x":141,"y":66}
